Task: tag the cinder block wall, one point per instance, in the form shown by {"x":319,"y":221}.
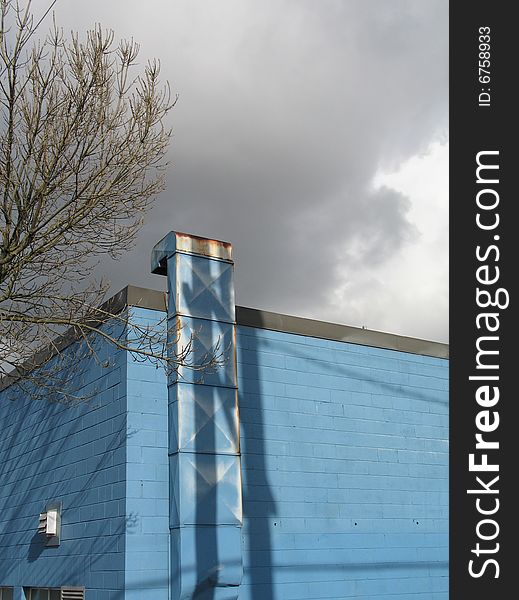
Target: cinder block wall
{"x":344,"y":464}
{"x":147,"y":479}
{"x":75,"y":454}
{"x":345,"y":470}
{"x":105,"y":459}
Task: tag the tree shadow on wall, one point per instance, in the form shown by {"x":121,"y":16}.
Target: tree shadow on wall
{"x":63,"y":451}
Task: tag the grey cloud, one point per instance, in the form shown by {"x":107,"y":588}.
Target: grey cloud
{"x":287,"y":109}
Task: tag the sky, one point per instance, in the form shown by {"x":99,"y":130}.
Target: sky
{"x":313,"y":136}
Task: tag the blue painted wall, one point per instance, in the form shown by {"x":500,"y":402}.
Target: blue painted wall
{"x":75,"y":454}
{"x":105,"y":458}
{"x":344,"y":458}
{"x":147,"y":479}
{"x":344,"y":462}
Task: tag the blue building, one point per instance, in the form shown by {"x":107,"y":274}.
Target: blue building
{"x":310,"y":463}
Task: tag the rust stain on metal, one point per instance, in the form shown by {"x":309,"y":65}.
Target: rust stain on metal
{"x":206,"y":247}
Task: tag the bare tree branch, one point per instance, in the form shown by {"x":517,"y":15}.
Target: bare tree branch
{"x":82,"y":155}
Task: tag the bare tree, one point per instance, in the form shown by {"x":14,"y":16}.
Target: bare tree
{"x":82,"y":154}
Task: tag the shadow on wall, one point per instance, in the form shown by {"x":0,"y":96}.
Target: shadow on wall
{"x":378,"y":385}
{"x":258,"y":513}
{"x":210,"y":555}
{"x":36,"y":547}
{"x":40,"y":436}
{"x":53,"y":451}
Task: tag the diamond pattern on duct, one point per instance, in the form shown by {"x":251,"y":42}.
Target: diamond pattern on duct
{"x":210,"y":339}
{"x":206,"y":419}
{"x":205,"y":475}
{"x":205,"y":288}
{"x":208,"y":490}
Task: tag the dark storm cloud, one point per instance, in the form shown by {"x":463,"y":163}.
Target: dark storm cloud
{"x":286,"y":111}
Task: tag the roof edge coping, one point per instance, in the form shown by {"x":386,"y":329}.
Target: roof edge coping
{"x":263,"y":319}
